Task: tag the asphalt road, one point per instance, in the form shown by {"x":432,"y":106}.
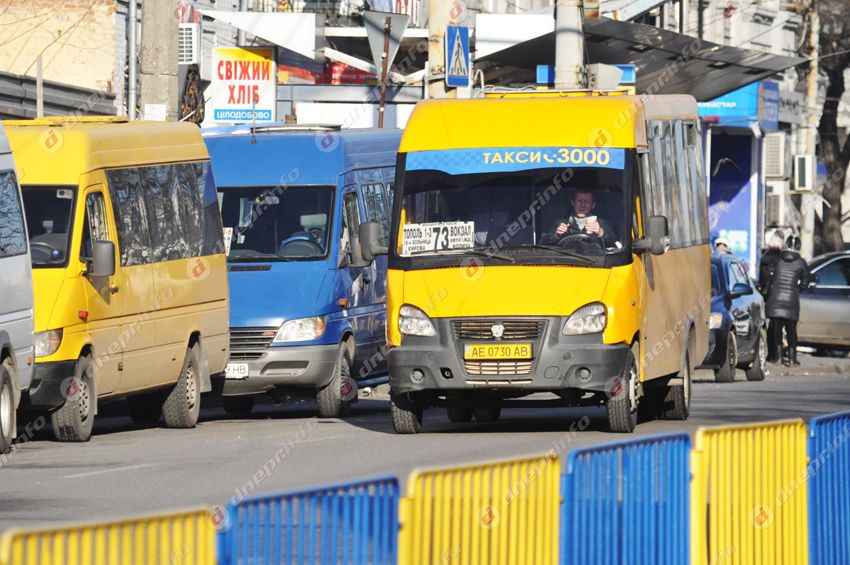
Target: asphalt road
{"x":127,"y":470}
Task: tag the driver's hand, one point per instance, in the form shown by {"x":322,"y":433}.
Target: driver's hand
{"x":561,"y":229}
{"x":594,"y":228}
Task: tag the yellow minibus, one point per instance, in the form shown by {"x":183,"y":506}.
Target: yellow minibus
{"x":554,"y":243}
{"x":129,"y":271}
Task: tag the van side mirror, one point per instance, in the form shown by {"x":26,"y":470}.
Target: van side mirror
{"x":740,"y":289}
{"x":657,"y":239}
{"x":370,"y":241}
{"x":103,"y":259}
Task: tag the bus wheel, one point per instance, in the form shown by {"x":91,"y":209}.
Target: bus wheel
{"x":487,"y":413}
{"x":622,"y":405}
{"x":407,"y":415}
{"x":726,"y":372}
{"x":330,"y":398}
{"x":183,"y":403}
{"x":238,"y":405}
{"x":7,"y":406}
{"x":459,"y":414}
{"x":73,"y":421}
{"x":677,"y":403}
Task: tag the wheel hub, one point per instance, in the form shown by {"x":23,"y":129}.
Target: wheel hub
{"x":5,"y":410}
{"x":191,"y":387}
{"x":83,"y":400}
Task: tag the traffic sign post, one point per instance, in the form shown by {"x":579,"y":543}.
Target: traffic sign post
{"x":457,"y":56}
{"x":384,"y":31}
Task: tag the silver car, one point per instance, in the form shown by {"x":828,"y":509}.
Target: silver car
{"x":825,"y":306}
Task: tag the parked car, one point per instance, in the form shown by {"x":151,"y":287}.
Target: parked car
{"x":128,"y":268}
{"x":738,"y":337}
{"x":16,"y":307}
{"x":825,"y":305}
{"x":308,"y":310}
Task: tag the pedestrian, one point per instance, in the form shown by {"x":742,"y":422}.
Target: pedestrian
{"x":767,"y":266}
{"x":721,"y":246}
{"x":790,"y":276}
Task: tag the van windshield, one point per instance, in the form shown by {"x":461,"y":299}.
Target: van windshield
{"x":49,"y":213}
{"x":575,"y":213}
{"x":276,"y":223}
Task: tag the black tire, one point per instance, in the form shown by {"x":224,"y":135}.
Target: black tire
{"x":73,"y":421}
{"x":329,"y":398}
{"x":7,"y":406}
{"x":621,"y":407}
{"x":757,"y":371}
{"x":726,"y":372}
{"x":459,"y":414}
{"x":145,"y":408}
{"x":183,"y":403}
{"x":677,"y":402}
{"x":238,"y":405}
{"x":487,"y":413}
{"x":407,"y":415}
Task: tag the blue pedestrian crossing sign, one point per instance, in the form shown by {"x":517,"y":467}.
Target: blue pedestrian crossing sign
{"x":457,"y":56}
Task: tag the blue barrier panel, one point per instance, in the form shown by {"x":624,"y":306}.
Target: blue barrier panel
{"x":829,"y":489}
{"x":627,"y":502}
{"x":349,"y":523}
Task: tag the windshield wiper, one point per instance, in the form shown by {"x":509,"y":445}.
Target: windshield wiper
{"x":556,"y":249}
{"x":467,"y":251}
{"x":256,"y":257}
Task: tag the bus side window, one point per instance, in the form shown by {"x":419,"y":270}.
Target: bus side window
{"x":376,"y":208}
{"x":350,"y":220}
{"x":95,"y":226}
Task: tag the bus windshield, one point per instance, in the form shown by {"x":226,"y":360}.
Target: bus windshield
{"x":570,"y":212}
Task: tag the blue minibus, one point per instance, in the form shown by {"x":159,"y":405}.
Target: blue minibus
{"x":308,"y":313}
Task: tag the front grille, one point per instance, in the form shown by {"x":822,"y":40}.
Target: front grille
{"x":514,"y":329}
{"x":498,"y":368}
{"x":248,"y":344}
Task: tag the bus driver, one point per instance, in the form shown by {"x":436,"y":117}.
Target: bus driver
{"x":581,"y":222}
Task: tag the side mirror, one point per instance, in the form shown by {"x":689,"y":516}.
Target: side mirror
{"x":813,"y":280}
{"x":740,"y":289}
{"x":657,"y":239}
{"x":370,"y":241}
{"x":103,"y":259}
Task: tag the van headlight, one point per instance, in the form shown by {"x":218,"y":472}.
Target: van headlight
{"x":46,"y":343}
{"x":301,"y":329}
{"x":715,"y":321}
{"x":413,"y":321}
{"x":588,"y":319}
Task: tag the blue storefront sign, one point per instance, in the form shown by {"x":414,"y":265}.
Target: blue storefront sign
{"x":754,"y":104}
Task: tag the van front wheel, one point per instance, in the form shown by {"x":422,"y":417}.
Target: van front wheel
{"x":622,"y":405}
{"x":406,"y":413}
{"x":73,"y":421}
{"x":183,"y":403}
{"x":330,"y":398}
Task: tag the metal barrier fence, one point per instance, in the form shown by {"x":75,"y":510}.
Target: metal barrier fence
{"x":627,"y":502}
{"x":187,"y":538}
{"x":829,"y":489}
{"x":748,"y":498}
{"x":350,"y":523}
{"x":496,"y":513}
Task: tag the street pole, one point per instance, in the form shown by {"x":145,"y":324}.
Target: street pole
{"x":132,"y":70}
{"x":384,"y":64}
{"x":39,"y":88}
{"x":569,"y":45}
{"x":807,"y":201}
{"x":438,"y":19}
{"x":240,"y":35}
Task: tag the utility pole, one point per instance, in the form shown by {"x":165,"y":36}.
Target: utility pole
{"x":39,"y":88}
{"x":569,"y":45}
{"x":385,"y":59}
{"x":807,"y":201}
{"x":441,"y":14}
{"x":240,"y":36}
{"x":158,"y":57}
{"x":132,"y":69}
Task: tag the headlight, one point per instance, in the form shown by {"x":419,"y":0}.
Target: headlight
{"x":46,"y":343}
{"x":588,"y":319}
{"x":715,"y":321}
{"x":302,"y":329}
{"x":413,"y":321}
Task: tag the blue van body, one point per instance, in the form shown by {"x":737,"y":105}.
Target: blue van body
{"x":288,"y":196}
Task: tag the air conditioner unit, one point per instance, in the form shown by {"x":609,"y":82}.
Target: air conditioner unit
{"x":188,"y":44}
{"x":775,"y":156}
{"x":804,"y":173}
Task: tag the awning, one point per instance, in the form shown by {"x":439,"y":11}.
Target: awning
{"x":666,"y":62}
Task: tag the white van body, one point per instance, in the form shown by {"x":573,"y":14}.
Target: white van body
{"x":16,"y":305}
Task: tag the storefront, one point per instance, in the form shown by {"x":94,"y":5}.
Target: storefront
{"x":735,"y":125}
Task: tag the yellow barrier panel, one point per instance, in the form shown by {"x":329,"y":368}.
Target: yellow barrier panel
{"x":499,"y":513}
{"x":748,"y":494}
{"x":180,"y":538}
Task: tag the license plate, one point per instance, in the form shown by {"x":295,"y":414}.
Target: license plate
{"x":236,"y":371}
{"x":479,"y":351}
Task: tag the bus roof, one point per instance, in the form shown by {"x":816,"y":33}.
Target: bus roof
{"x":540,"y":120}
{"x":271,"y":155}
{"x":57,"y":150}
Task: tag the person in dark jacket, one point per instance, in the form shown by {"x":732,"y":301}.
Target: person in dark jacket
{"x":790,"y":276}
{"x":767,"y":266}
